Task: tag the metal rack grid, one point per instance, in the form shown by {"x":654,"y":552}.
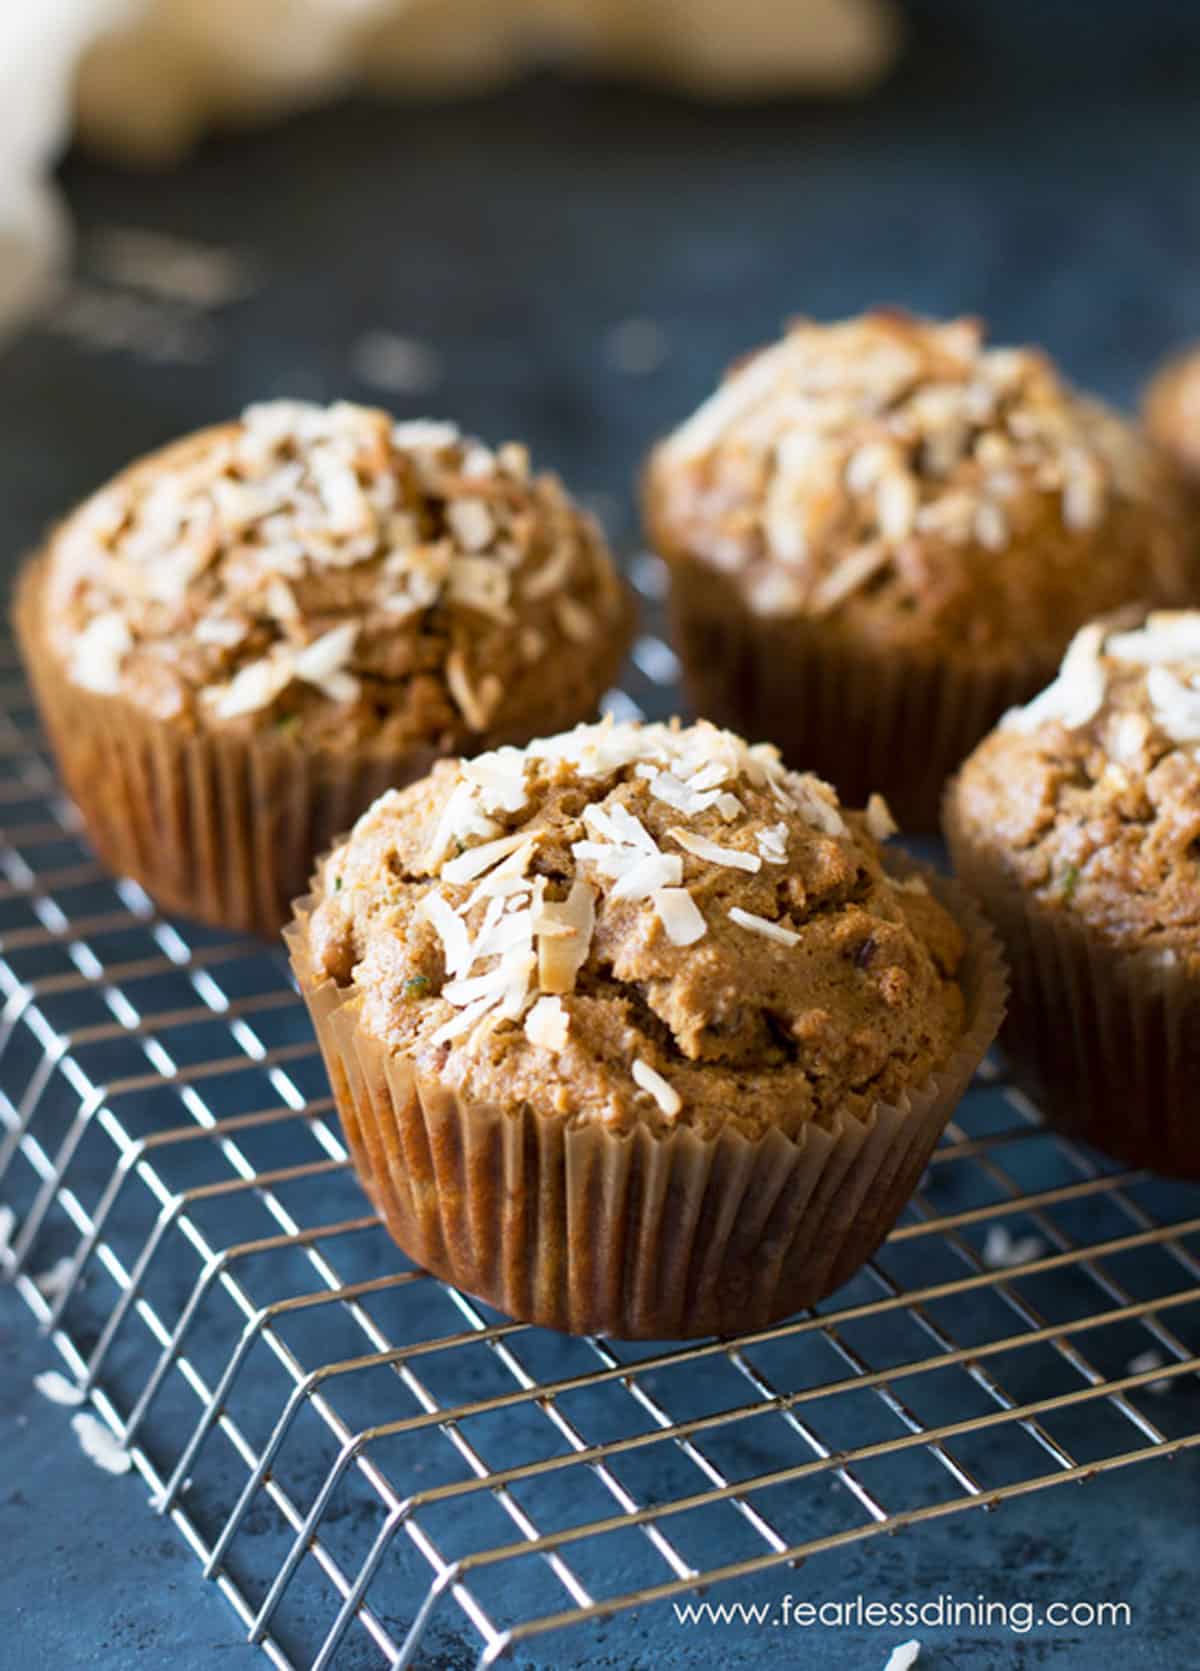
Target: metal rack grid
{"x":354,"y":1451}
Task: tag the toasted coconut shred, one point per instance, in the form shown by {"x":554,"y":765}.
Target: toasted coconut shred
{"x":277,"y":553}
{"x":514,"y":940}
{"x":1149,"y":679}
{"x":833,"y":449}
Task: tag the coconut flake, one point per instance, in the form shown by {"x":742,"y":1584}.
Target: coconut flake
{"x":735,"y":858}
{"x":475,"y":860}
{"x":98,"y":653}
{"x":252,"y":687}
{"x":666,"y":787}
{"x":547,"y":1025}
{"x":1144,"y":1363}
{"x":52,"y":1284}
{"x":626,"y":828}
{"x":462,"y":817}
{"x":1168,"y":635}
{"x":478,"y":583}
{"x":564,"y":936}
{"x":471,"y":523}
{"x":649,"y":1080}
{"x":904,"y":1657}
{"x":682,"y":919}
{"x":1076,"y":695}
{"x":772,"y":843}
{"x":99,"y":1445}
{"x":896,"y":505}
{"x":508,"y":878}
{"x":55,"y":1386}
{"x":1003,"y":1251}
{"x":463,"y":993}
{"x":498,"y":779}
{"x":816,"y":803}
{"x":424,"y":435}
{"x":322,"y":662}
{"x":464,"y":1021}
{"x":472,"y":703}
{"x":849,"y":575}
{"x":711,"y":776}
{"x":880,"y":823}
{"x":1130,"y":734}
{"x":222,"y":630}
{"x":509,"y":929}
{"x":451,"y":931}
{"x":646,"y":875}
{"x":991,"y":527}
{"x":577,"y":623}
{"x":552,"y":574}
{"x":764,"y":926}
{"x":753,"y":382}
{"x":1176,"y":704}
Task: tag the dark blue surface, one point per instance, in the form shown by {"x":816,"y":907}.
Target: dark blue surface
{"x":1045,"y":181}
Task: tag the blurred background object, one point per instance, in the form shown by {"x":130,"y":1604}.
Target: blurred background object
{"x":170,"y":68}
{"x":142,"y":80}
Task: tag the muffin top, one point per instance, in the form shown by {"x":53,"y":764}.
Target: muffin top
{"x":896,"y":479}
{"x":1090,"y":795}
{"x":326,"y":567}
{"x":633,"y":923}
{"x":1171,"y":412}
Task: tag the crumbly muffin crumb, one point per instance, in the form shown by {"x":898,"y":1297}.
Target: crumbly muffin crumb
{"x":633,"y":923}
{"x":1090,"y":794}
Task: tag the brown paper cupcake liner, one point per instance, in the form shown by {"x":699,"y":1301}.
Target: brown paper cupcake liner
{"x":1105,"y":1041}
{"x":640,"y":1235}
{"x":897,"y":723}
{"x":216,"y":826}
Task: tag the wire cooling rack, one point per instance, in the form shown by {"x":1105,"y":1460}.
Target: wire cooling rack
{"x":362,"y":1458}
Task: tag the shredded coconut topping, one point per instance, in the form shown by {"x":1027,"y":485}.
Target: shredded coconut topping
{"x":880,"y":822}
{"x":1076,"y":695}
{"x":713,"y":853}
{"x":680,"y":916}
{"x":548,"y":1024}
{"x":1163,"y":655}
{"x":653,"y":1083}
{"x":98,"y":652}
{"x":834,"y":447}
{"x":514,"y":901}
{"x":764,"y":926}
{"x":772,"y":844}
{"x":293,"y":545}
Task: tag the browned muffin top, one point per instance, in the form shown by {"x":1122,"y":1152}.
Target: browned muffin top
{"x":329,"y":565}
{"x":897,"y":475}
{"x":1171,"y":412}
{"x":1090,"y":795}
{"x":631,"y":923}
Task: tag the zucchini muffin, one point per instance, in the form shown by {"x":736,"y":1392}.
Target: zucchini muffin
{"x":881,"y":534}
{"x":1077,"y":825}
{"x":242,"y":640}
{"x":1171,"y":415}
{"x":634,"y":1031}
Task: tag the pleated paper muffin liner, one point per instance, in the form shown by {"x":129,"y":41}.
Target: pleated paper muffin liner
{"x":643,"y":1234}
{"x":1106,"y":1041}
{"x":896,"y":722}
{"x":215,"y":825}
